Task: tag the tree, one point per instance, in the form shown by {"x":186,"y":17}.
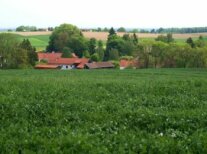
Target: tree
{"x":66,"y":53}
{"x":144,"y":53}
{"x":135,"y":39}
{"x":200,"y":42}
{"x":100,"y":44}
{"x":95,"y":57}
{"x":161,"y":38}
{"x":99,"y":29}
{"x":112,"y":32}
{"x":100,"y":50}
{"x":86,"y":54}
{"x":126,"y":37}
{"x":26,"y":28}
{"x":169,"y":38}
{"x":105,"y":29}
{"x":114,"y":54}
{"x":135,"y":31}
{"x":67,"y":35}
{"x":153,"y":31}
{"x":190,"y":42}
{"x":92,"y":46}
{"x":113,"y":42}
{"x":166,"y":39}
{"x":11,"y":54}
{"x":32,"y":55}
{"x":158,"y":49}
{"x":121,"y":29}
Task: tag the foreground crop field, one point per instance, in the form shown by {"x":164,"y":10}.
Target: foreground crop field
{"x":103,"y":111}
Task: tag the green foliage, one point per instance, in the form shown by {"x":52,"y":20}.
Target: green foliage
{"x":113,"y":54}
{"x":11,"y":54}
{"x":166,"y":39}
{"x":31,"y":53}
{"x":95,"y":57}
{"x":160,"y":54}
{"x":127,"y":57}
{"x":125,"y":45}
{"x":67,"y":35}
{"x":200,"y":42}
{"x":112,"y":32}
{"x":182,"y":30}
{"x":92,"y":46}
{"x":103,"y":111}
{"x":190,"y":42}
{"x":86,"y":54}
{"x":26,"y":28}
{"x":121,"y":29}
{"x":67,"y":52}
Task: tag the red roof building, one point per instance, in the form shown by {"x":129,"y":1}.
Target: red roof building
{"x":54,"y":60}
{"x":48,"y":56}
{"x":45,"y":66}
{"x":127,"y":63}
{"x":99,"y":65}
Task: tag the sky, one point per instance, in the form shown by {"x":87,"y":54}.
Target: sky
{"x":104,"y":13}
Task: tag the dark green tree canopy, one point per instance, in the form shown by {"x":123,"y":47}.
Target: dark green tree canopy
{"x":190,"y":42}
{"x":31,"y":51}
{"x":112,"y":31}
{"x":121,"y":29}
{"x":92,"y":46}
{"x":12,"y":55}
{"x":67,"y":35}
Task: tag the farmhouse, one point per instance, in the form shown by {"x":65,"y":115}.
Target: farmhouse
{"x":54,"y":61}
{"x":128,"y":63}
{"x":99,"y":65}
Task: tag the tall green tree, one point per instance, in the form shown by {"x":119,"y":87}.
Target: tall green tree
{"x":31,"y":51}
{"x":11,"y":54}
{"x":135,"y":39}
{"x":121,"y":29}
{"x":190,"y":42}
{"x":67,"y":35}
{"x":92,"y":46}
{"x":67,"y":52}
{"x":112,"y":32}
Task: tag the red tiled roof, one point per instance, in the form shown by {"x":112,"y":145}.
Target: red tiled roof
{"x":69,"y":61}
{"x":96,"y":65}
{"x":49,"y":56}
{"x":44,"y":66}
{"x":125,"y":63}
{"x":63,"y":61}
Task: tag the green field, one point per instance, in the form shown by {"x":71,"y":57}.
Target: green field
{"x":39,"y":41}
{"x":103,"y":111}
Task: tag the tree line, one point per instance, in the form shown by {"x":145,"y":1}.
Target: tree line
{"x":164,"y":51}
{"x":15,"y":53}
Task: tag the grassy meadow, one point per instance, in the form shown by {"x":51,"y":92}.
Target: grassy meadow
{"x":103,"y":111}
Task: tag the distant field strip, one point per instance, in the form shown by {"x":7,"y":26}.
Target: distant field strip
{"x":104,"y":35}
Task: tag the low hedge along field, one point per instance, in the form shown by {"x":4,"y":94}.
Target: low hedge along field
{"x":103,"y":111}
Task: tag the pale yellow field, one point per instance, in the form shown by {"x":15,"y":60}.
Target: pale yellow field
{"x":103,"y":35}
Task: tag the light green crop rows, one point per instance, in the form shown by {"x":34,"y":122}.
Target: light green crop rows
{"x":103,"y":111}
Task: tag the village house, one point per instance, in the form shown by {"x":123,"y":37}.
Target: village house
{"x":99,"y":65}
{"x":55,"y":61}
{"x":128,"y":64}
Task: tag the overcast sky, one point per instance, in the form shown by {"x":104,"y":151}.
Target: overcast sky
{"x":104,"y":13}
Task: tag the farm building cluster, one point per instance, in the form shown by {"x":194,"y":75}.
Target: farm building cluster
{"x":55,"y":61}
